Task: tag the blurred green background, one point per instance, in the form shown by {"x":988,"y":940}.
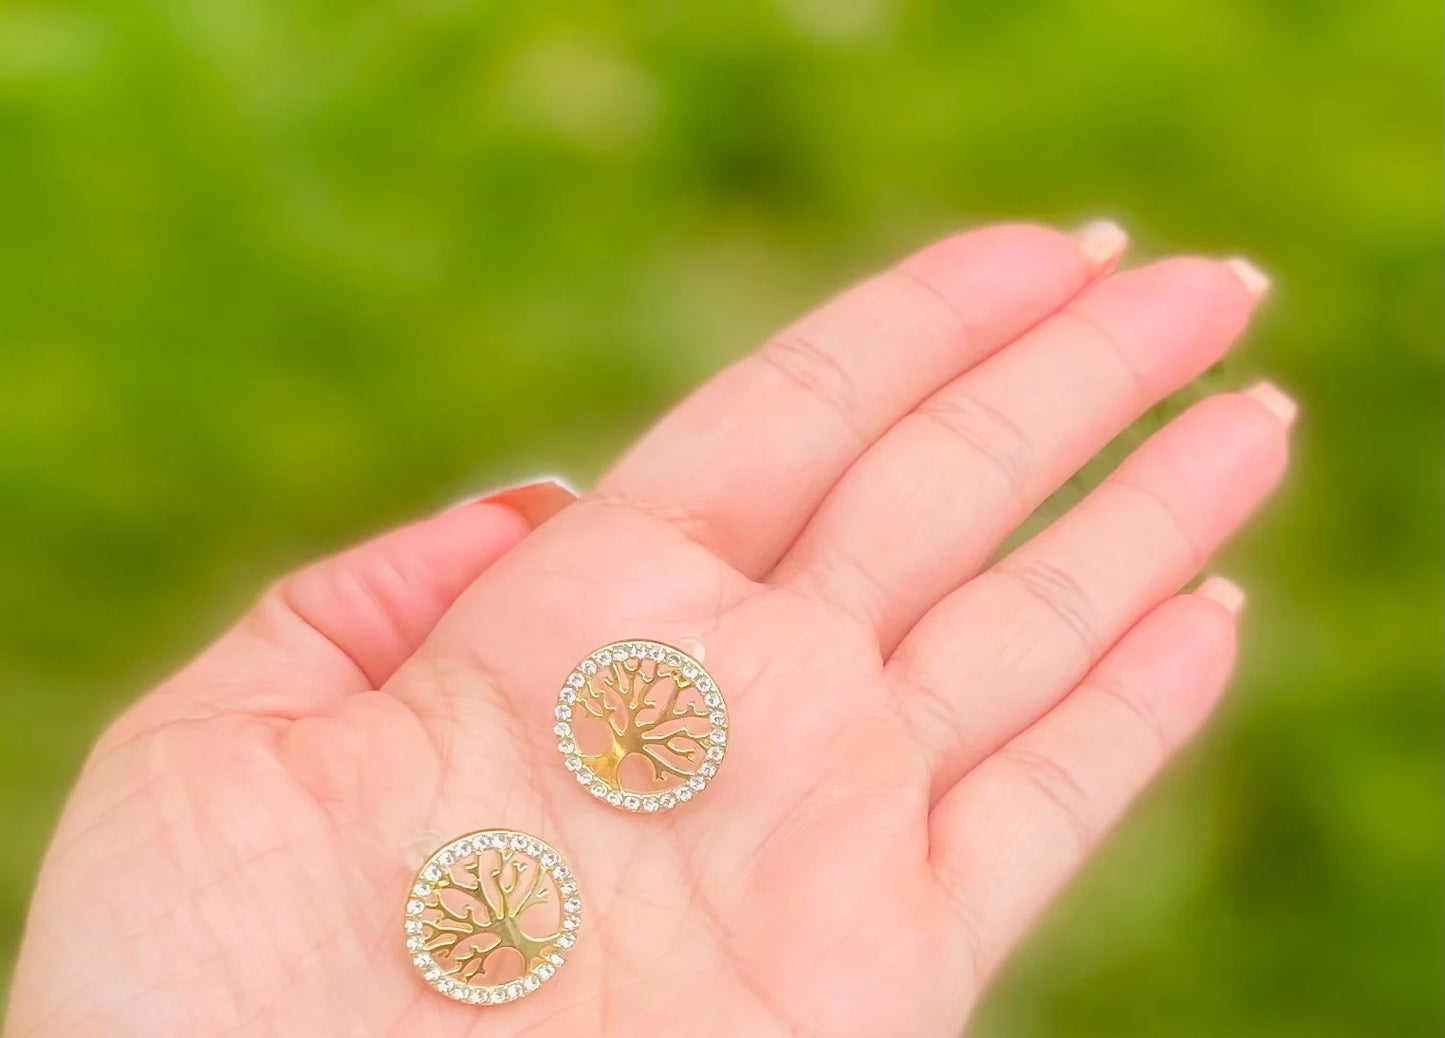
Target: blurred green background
{"x":275,"y":275}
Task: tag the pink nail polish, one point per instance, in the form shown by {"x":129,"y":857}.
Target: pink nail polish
{"x":1224,"y":592}
{"x":1275,"y":400}
{"x":536,"y":501}
{"x":1255,"y":281}
{"x":1101,"y":242}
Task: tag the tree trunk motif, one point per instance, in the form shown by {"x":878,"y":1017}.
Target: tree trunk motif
{"x":646,"y":710}
{"x":484,"y":912}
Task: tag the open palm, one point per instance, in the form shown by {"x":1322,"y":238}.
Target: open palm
{"x":923,"y":746}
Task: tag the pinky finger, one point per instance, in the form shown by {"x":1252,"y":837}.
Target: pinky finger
{"x":1013,"y":831}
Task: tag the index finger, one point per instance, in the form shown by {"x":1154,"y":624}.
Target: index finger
{"x":742,"y":463}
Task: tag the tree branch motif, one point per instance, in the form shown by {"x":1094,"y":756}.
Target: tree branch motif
{"x":624,"y":695}
{"x":489,"y":918}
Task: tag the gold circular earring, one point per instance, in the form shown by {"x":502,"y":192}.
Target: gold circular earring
{"x":475,"y":908}
{"x":642,"y":725}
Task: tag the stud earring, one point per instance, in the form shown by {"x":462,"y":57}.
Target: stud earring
{"x":476,"y":908}
{"x":642,"y":725}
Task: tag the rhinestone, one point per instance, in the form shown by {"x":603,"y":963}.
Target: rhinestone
{"x":585,"y":776}
{"x":572,"y":906}
{"x":573,"y":763}
{"x":421,"y":889}
{"x":717,"y":717}
{"x":714,"y":753}
{"x":413,"y":926}
{"x":476,"y":995}
{"x":514,"y":990}
{"x":548,"y":859}
{"x":712,"y":699}
{"x":684,"y":794}
{"x":568,"y":889}
{"x":604,"y":657}
{"x":555,"y":959}
{"x":666,"y":800}
{"x":598,"y":789}
{"x":564,"y":713}
{"x":415,"y":944}
{"x":696,"y":783}
{"x":614,"y":798}
{"x":544,"y":971}
{"x":561,"y":872}
{"x":575,"y":680}
{"x":519,"y":843}
{"x":674,"y":660}
{"x":567,"y":696}
{"x":656,"y":652}
{"x":414,"y":907}
{"x":431,"y":873}
{"x":497,"y":996}
{"x":719,"y":736}
{"x":566,"y":746}
{"x":433,"y":973}
{"x":566,"y":941}
{"x":446,"y":858}
{"x":705,"y":685}
{"x":689,"y":672}
{"x":562,"y":728}
{"x":588,"y":667}
{"x":649,"y":804}
{"x":632,"y":803}
{"x":570,"y":923}
{"x":421,"y":961}
{"x":530,"y":983}
{"x":707,"y":770}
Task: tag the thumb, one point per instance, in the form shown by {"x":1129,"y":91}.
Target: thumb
{"x":344,"y":624}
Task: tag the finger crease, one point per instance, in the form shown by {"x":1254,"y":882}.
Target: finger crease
{"x":1062,"y":594}
{"x":1138,"y":383}
{"x":1146,"y":715}
{"x":1195,"y":552}
{"x":993,"y":435}
{"x":819,"y":375}
{"x":1058,"y":787}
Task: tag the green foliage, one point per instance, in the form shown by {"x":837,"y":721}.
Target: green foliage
{"x":274,"y":275}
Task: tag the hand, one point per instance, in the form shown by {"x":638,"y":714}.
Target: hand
{"x":924,"y":746}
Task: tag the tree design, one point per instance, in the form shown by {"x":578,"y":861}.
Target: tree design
{"x":487,"y":917}
{"x":627,"y":697}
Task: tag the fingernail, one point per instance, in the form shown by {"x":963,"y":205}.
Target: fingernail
{"x":1101,"y":242}
{"x":536,"y":501}
{"x":1255,"y":281}
{"x":1224,"y":592}
{"x":1275,"y":400}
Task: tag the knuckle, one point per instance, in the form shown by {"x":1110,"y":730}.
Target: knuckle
{"x":1062,"y":795}
{"x":800,"y":359}
{"x":990,"y":434}
{"x":1175,"y":525}
{"x":1061,"y":594}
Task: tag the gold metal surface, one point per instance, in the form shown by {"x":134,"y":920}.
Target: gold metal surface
{"x":492,"y":915}
{"x":623,"y":697}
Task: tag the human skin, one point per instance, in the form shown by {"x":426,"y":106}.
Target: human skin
{"x":925,"y":741}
